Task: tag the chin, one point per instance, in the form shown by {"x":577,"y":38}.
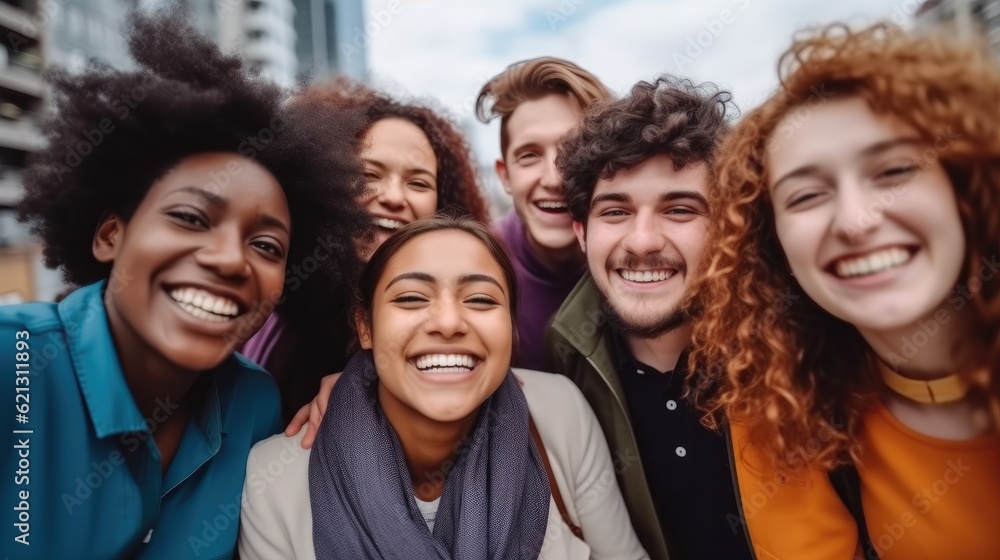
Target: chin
{"x":555,"y":240}
{"x":444,"y":413}
{"x":198,"y":357}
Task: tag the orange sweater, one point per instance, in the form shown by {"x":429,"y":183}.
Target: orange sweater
{"x":923,"y":498}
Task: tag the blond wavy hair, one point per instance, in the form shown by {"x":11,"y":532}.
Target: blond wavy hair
{"x":766,"y":355}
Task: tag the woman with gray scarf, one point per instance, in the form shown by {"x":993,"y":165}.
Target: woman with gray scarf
{"x":428,"y":447}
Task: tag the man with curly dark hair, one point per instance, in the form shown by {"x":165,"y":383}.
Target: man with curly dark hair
{"x":185,"y":201}
{"x":637,"y":174}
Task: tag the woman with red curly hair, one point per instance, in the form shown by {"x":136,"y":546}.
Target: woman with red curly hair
{"x":854,"y":301}
{"x":416,"y":163}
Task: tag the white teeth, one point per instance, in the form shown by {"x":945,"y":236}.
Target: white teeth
{"x":646,"y":275}
{"x":551,"y":204}
{"x":204,"y":305}
{"x":438,"y":362}
{"x":388,"y":224}
{"x":873,"y":262}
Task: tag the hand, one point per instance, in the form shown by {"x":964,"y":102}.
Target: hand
{"x":312,"y":413}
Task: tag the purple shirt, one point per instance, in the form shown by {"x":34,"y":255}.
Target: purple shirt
{"x":542,"y":291}
{"x":261,"y":345}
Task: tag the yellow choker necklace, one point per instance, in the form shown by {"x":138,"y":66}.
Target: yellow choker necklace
{"x":937,"y":391}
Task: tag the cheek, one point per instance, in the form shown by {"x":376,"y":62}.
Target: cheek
{"x":271,"y":280}
{"x":424,"y":204}
{"x":369,"y":200}
{"x":948,"y":233}
{"x":797,"y":241}
{"x":600,"y":242}
{"x":520,"y":183}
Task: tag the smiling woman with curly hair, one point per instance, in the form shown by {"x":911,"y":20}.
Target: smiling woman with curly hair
{"x":851,"y":312}
{"x":416,"y":162}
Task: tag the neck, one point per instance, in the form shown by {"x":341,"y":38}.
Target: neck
{"x":931,"y":348}
{"x":157,"y":385}
{"x":663,"y":351}
{"x":430,"y":447}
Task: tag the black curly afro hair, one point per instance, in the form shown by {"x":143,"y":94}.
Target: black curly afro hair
{"x":115,"y":132}
{"x":671,"y":116}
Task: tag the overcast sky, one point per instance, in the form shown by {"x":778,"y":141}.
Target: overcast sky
{"x":447,"y":49}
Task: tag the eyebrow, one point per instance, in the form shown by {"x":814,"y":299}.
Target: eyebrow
{"x":211,"y":198}
{"x":665,"y":197}
{"x":221,"y":203}
{"x":411,"y":169}
{"x":874,"y":149}
{"x":610,"y":197}
{"x":532,"y":144}
{"x":424,"y":277}
{"x":680,"y":195}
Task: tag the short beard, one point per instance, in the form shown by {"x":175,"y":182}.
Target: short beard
{"x":671,"y":320}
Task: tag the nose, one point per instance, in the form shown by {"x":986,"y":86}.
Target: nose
{"x":645,"y":236}
{"x":858,"y":211}
{"x":551,"y":180}
{"x":389,"y":193}
{"x":446,"y":318}
{"x":225,"y":254}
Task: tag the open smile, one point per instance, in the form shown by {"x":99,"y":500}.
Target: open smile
{"x":205,"y":305}
{"x":390,"y":224}
{"x":646,"y":276}
{"x":552,"y":206}
{"x":871,"y":263}
{"x":446,"y":363}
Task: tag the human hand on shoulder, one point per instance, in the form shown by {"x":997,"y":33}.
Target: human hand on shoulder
{"x":312,"y":413}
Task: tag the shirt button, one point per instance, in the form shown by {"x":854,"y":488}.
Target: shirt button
{"x":639,"y":371}
{"x":671,"y":404}
{"x":680,"y":451}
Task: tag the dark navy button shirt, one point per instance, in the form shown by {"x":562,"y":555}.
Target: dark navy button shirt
{"x":687,"y":465}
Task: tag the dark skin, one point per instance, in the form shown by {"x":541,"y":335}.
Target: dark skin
{"x":160,"y":379}
{"x":191,"y":269}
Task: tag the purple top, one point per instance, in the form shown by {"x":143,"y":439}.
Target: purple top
{"x":261,"y":345}
{"x":543,"y":290}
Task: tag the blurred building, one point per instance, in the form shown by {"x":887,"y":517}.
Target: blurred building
{"x":85,"y":29}
{"x":24,"y":33}
{"x":263,"y":31}
{"x":964,"y":18}
{"x":331,"y":38}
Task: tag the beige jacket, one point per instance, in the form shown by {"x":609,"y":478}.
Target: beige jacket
{"x":276,"y":521}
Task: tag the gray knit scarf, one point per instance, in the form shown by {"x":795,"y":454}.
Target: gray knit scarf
{"x":495,"y":503}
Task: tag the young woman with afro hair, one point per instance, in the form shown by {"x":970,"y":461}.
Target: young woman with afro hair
{"x":850,"y":325}
{"x":177,"y":194}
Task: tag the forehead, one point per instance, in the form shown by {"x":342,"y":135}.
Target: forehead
{"x":654,"y":178}
{"x":547,"y":118}
{"x":236,"y":179}
{"x":397,"y":135}
{"x":446,"y":255}
{"x":834,"y":130}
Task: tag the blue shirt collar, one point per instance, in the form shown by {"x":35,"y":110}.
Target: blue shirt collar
{"x":95,"y":359}
{"x":92,"y":350}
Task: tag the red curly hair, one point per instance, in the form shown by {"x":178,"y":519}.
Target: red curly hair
{"x":456,"y":180}
{"x":766,"y":355}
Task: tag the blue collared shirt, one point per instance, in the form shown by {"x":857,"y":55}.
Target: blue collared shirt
{"x":81,"y":472}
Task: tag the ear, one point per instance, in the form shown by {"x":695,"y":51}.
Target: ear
{"x":580,"y":229}
{"x":501,"y":169}
{"x":108,"y":238}
{"x":364,"y":330}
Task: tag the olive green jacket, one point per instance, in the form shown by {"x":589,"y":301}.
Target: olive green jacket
{"x":579,"y":346}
